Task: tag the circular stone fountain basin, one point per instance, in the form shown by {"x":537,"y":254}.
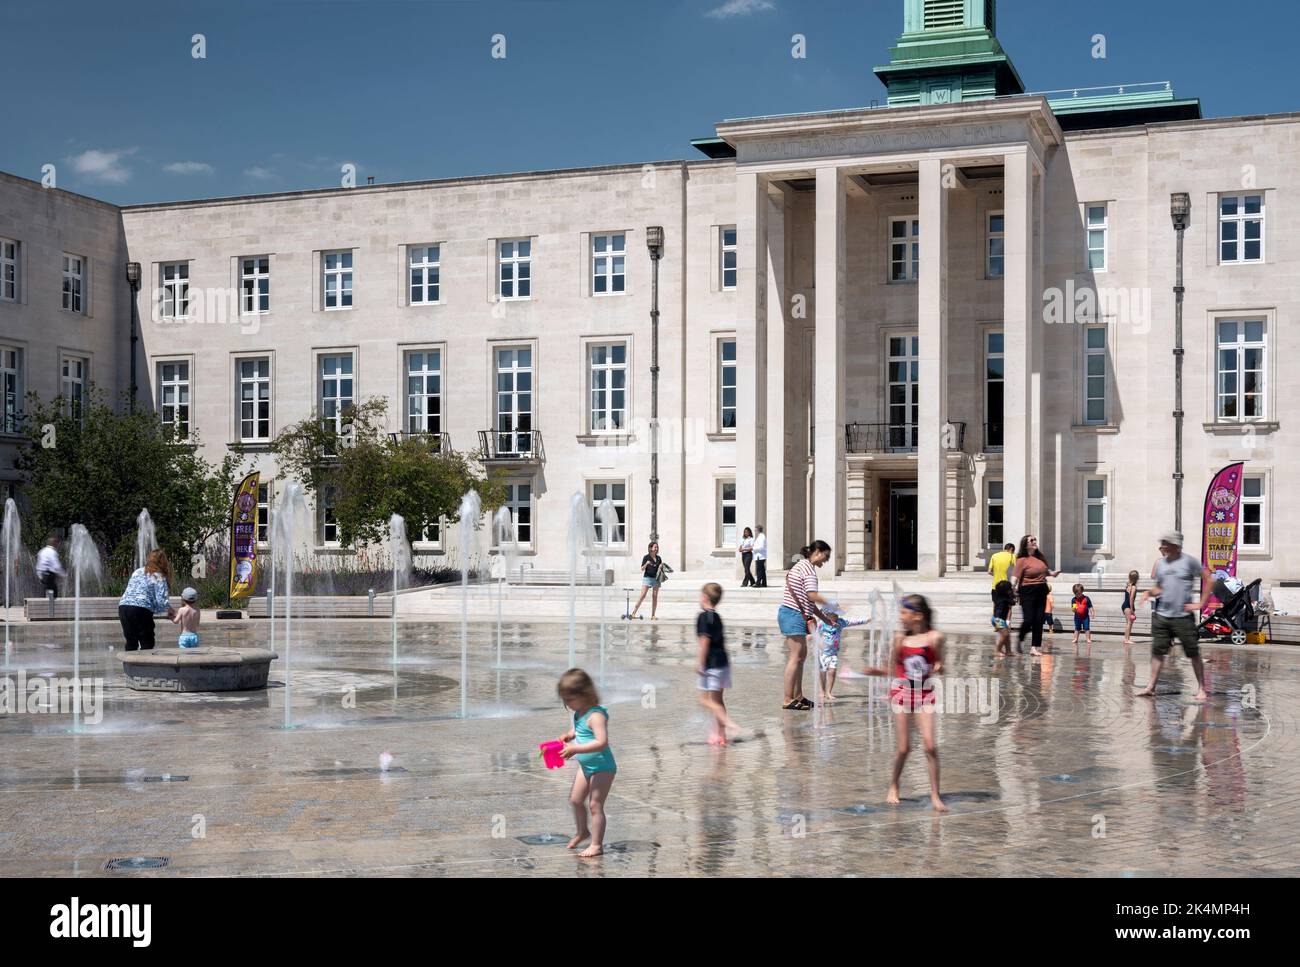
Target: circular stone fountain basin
{"x":199,"y":669}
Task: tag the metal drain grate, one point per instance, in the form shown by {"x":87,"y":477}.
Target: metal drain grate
{"x":137,"y":863}
{"x":166,"y":777}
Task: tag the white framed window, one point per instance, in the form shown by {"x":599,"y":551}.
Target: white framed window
{"x":515,"y":268}
{"x":336,"y":389}
{"x":904,"y":249}
{"x":994,"y":535}
{"x":432,"y":534}
{"x":902,"y":388}
{"x":327,"y":520}
{"x":608,"y":255}
{"x":424,"y":274}
{"x":74,"y":282}
{"x":519,"y":500}
{"x":994,"y":389}
{"x":1253,"y":510}
{"x":514,"y":399}
{"x":8,"y":270}
{"x":424,"y":391}
{"x":727,"y":257}
{"x":174,"y":398}
{"x":727,"y":384}
{"x":264,"y":512}
{"x":726,"y":513}
{"x":255,"y":284}
{"x":1096,"y":516}
{"x":1097,"y":227}
{"x":11,"y":387}
{"x":995,"y":248}
{"x":336,"y":268}
{"x":616,"y":492}
{"x":1242,"y":347}
{"x":607,"y":378}
{"x":74,"y":375}
{"x":1094,"y":374}
{"x":1241,"y":229}
{"x":254,"y":395}
{"x":174,"y":278}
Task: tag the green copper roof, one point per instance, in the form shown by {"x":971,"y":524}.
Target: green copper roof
{"x":948,"y":52}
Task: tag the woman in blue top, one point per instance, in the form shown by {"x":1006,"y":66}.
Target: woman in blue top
{"x":145,"y":596}
{"x":588,"y":741}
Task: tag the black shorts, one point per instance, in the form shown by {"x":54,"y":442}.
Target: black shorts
{"x":1165,"y":630}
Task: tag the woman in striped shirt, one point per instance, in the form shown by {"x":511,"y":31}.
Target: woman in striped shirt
{"x":798,"y":609}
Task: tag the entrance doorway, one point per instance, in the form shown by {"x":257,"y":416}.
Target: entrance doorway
{"x":901,"y":552}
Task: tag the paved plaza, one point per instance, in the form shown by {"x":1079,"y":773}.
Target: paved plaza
{"x":1063,"y":773}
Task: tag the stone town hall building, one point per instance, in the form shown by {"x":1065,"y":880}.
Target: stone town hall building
{"x":914,"y":330}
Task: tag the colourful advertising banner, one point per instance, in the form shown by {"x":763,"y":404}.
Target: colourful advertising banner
{"x":1222,"y":522}
{"x":243,"y":538}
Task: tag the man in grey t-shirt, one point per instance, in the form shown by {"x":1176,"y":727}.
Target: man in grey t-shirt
{"x":1175,"y":577}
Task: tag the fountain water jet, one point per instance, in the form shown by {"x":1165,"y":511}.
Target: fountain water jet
{"x":582,"y":537}
{"x":145,"y":538}
{"x":507,"y":537}
{"x":471,"y":508}
{"x":83,"y":556}
{"x":10,"y":540}
{"x":401,"y":552}
{"x":609,"y":524}
{"x":282,"y":546}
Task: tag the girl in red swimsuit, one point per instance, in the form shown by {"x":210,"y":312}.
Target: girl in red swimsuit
{"x":916,"y":656}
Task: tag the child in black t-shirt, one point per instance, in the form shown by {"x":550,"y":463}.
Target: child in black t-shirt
{"x":713,"y":666}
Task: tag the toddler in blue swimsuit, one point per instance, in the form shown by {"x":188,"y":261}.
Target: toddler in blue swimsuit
{"x":588,"y":742}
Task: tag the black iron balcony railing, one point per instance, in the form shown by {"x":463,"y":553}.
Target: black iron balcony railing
{"x":897,"y":437}
{"x":992,"y":436}
{"x":521,"y":446}
{"x":438,"y":442}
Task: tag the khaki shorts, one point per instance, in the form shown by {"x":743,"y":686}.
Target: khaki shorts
{"x":1165,"y":630}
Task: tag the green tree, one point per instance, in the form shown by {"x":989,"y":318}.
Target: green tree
{"x":102,"y":469}
{"x":369,"y":474}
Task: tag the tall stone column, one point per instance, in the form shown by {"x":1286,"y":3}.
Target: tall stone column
{"x":751,"y":346}
{"x":1018,"y":320}
{"x":932,"y":317}
{"x":828,"y":370}
{"x":774,"y":424}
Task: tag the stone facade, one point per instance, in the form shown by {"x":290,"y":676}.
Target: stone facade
{"x":814,"y":314}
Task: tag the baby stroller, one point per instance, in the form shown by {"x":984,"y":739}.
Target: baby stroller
{"x":1235,"y":616}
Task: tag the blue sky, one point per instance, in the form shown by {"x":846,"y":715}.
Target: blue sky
{"x":407,"y":89}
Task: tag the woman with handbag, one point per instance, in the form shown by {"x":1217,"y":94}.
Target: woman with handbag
{"x":653,"y":572}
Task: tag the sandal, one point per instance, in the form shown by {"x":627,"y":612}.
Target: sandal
{"x":804,"y":704}
{"x":793,"y":707}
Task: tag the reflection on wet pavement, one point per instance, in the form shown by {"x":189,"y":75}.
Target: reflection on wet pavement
{"x":1064,"y":773}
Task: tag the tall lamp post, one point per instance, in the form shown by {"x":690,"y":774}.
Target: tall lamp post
{"x":654,"y":240}
{"x":1180,"y":210}
{"x":133,"y":280}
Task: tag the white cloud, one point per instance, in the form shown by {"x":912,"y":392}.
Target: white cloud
{"x":107,"y":166}
{"x":257,"y":171}
{"x":740,"y":8}
{"x":188,"y":168}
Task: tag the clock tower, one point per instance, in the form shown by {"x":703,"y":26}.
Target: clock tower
{"x":948,"y":52}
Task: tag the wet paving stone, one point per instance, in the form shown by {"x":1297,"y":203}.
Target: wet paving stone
{"x":379,"y":775}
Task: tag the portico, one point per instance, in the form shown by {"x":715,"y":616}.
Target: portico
{"x":857,"y":344}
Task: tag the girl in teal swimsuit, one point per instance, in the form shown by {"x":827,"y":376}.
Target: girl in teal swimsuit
{"x":588,"y":741}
